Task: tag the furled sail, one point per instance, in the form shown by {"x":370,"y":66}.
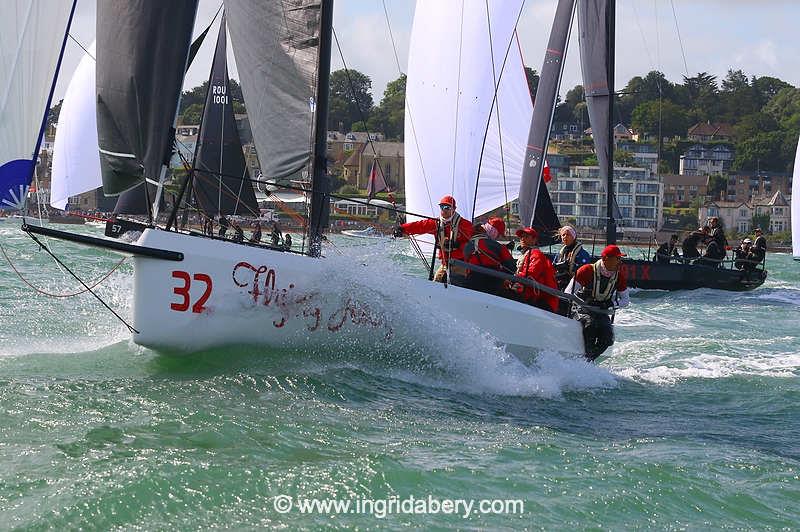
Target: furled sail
{"x":796,"y":204}
{"x":535,"y":207}
{"x":221,"y":181}
{"x":142,"y":48}
{"x":76,"y":161}
{"x":276,"y":47}
{"x":32,"y":33}
{"x":468,"y":106}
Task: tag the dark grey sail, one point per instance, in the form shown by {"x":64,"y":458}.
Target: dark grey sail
{"x":535,"y":207}
{"x":276,"y":49}
{"x":142,"y":48}
{"x":597,"y":66}
{"x":221,"y":181}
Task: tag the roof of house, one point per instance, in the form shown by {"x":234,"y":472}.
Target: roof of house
{"x":698,"y":180}
{"x":384,"y":149}
{"x":777,"y":199}
{"x":708,"y":129}
{"x":727,"y":204}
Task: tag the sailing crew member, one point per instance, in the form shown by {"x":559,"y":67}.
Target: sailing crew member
{"x":224,"y":224}
{"x":484,"y":250}
{"x":602,"y":284}
{"x":287,"y":241}
{"x":759,"y":249}
{"x":571,"y":256}
{"x":450,"y":242}
{"x":276,"y":235}
{"x":717,"y":235}
{"x":255,"y":238}
{"x":667,"y":250}
{"x":534,"y":265}
{"x":744,"y":256}
{"x":690,"y":243}
{"x":238,"y":233}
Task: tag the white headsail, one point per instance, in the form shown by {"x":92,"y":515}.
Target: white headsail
{"x":76,"y":159}
{"x":453,"y":144}
{"x":796,"y":204}
{"x":31,"y":35}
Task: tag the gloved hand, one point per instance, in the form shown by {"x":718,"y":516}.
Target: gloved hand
{"x":510,"y":245}
{"x":398,"y":232}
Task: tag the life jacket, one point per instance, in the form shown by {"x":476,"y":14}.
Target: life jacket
{"x":565,"y":262}
{"x":489,"y":257}
{"x":602,"y":289}
{"x":448,"y":243}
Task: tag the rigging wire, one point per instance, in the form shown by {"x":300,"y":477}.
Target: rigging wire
{"x":88,"y":289}
{"x":680,"y":40}
{"x":50,"y":294}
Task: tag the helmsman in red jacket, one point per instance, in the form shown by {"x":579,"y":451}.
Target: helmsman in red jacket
{"x":450,"y":242}
{"x":535,"y":265}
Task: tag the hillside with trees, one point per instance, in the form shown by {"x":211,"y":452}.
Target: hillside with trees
{"x":764,"y":111}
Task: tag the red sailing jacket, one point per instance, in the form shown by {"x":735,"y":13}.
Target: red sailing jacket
{"x":429,"y":226}
{"x":490,"y":254}
{"x":535,"y":265}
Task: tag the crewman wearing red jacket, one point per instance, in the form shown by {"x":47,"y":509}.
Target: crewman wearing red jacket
{"x":601,"y":284}
{"x":536,"y":266}
{"x":451,"y":243}
{"x":484,"y":250}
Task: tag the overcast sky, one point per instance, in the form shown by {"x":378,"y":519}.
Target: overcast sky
{"x":759,"y":37}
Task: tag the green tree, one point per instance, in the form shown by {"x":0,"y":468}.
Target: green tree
{"x":738,"y":97}
{"x":650,"y":117}
{"x":533,"y":81}
{"x":754,"y":123}
{"x":716,"y":185}
{"x":389,"y":116}
{"x":623,"y":158}
{"x":761,"y":220}
{"x":761,"y":152}
{"x":768,"y":87}
{"x":192,"y":114}
{"x":702,"y":93}
{"x":350,"y":99}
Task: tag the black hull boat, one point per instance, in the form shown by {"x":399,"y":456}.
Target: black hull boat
{"x":650,"y":275}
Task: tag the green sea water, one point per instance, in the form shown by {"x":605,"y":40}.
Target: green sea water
{"x":691,"y":422}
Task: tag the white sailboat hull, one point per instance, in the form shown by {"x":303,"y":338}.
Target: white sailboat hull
{"x":224,"y":293}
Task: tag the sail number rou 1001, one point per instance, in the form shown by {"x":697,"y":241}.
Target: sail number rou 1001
{"x":182,"y":292}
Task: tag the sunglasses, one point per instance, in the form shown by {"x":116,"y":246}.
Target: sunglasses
{"x":445,"y":207}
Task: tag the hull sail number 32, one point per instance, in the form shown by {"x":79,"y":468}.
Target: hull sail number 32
{"x":182,"y":291}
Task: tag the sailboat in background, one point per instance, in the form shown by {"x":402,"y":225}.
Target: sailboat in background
{"x":193,"y":291}
{"x":796,"y":205}
{"x":220,"y":181}
{"x":33,"y":34}
{"x":76,"y":159}
{"x":596,"y":40}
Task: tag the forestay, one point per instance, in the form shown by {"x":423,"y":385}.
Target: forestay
{"x":76,"y":160}
{"x":459,"y":138}
{"x":276,"y":45}
{"x":31,"y":37}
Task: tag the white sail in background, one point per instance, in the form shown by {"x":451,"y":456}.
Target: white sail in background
{"x":450,"y":106}
{"x":31,"y":34}
{"x":796,"y":204}
{"x":76,"y":159}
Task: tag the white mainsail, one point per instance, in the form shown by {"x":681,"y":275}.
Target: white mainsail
{"x":796,"y":205}
{"x":31,"y":34}
{"x":76,"y":159}
{"x":453,"y":144}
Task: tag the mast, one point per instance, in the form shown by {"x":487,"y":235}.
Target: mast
{"x":320,"y":183}
{"x":543,"y":111}
{"x":611,"y":223}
